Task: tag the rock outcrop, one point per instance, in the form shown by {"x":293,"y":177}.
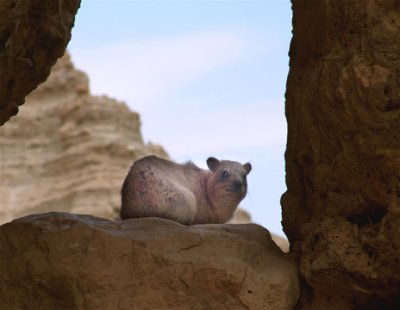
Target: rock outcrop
{"x":341,"y":211}
{"x":68,"y":150}
{"x":33,"y":34}
{"x":66,"y":261}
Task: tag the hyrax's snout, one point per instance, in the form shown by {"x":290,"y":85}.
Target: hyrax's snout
{"x":237,"y":185}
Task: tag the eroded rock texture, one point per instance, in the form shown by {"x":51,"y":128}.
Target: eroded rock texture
{"x":341,"y":212}
{"x":33,"y":34}
{"x":60,"y":261}
{"x":68,"y":150}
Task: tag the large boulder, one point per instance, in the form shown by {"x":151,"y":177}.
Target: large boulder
{"x":341,"y":211}
{"x":67,"y":261}
{"x":33,"y":34}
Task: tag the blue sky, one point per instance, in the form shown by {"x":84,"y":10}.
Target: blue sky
{"x":207,"y":77}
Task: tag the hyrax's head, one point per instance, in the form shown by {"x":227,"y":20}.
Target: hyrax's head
{"x":227,"y":184}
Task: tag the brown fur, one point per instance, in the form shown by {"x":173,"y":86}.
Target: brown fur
{"x":184,"y":193}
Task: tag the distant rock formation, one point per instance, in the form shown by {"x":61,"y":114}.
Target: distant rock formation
{"x":66,"y":261}
{"x":33,"y":34}
{"x":68,"y":150}
{"x":341,"y":211}
{"x":241,"y":216}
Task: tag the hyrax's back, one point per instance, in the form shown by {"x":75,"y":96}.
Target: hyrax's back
{"x":156,"y":187}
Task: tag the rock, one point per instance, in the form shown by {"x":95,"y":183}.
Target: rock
{"x":281,"y":242}
{"x":341,"y":211}
{"x":241,"y":216}
{"x":68,"y":150}
{"x":33,"y":34}
{"x":61,"y":260}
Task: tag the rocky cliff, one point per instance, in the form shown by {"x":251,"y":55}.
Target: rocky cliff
{"x":341,"y":211}
{"x":33,"y":34}
{"x":68,"y":150}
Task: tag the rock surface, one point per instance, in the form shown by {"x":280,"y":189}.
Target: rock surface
{"x":68,"y":150}
{"x":33,"y":34}
{"x":61,"y":260}
{"x":341,"y":212}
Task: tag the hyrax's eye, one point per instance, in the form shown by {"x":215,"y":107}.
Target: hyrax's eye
{"x":224,"y":174}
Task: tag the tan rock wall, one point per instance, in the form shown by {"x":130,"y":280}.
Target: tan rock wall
{"x":68,"y":150}
{"x":33,"y":34}
{"x":341,"y":211}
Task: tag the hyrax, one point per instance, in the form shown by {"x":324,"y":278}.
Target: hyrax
{"x":184,"y":193}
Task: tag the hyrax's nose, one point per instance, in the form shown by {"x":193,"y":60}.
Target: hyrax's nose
{"x":237,"y":185}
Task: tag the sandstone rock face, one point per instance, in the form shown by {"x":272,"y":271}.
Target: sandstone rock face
{"x":68,"y":150}
{"x":60,"y":261}
{"x":33,"y":34}
{"x":341,"y":212}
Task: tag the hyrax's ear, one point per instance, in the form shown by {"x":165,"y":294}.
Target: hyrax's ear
{"x":212,"y":163}
{"x":247,"y":167}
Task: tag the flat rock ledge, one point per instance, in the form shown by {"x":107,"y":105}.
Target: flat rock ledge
{"x":63,"y":260}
